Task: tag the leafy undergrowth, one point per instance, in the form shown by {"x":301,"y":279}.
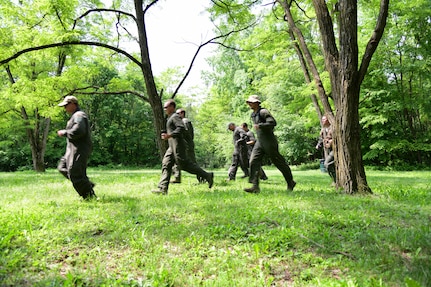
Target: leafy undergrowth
{"x":313,"y":236}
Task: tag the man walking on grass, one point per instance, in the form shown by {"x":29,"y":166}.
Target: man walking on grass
{"x":239,"y":156}
{"x":267,"y":144}
{"x":73,"y":165}
{"x":177,"y":151}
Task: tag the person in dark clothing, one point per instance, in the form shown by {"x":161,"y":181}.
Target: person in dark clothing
{"x":73,"y":165}
{"x":267,"y":144}
{"x":177,"y":151}
{"x":189,"y":136}
{"x":251,"y":140}
{"x":239,"y":156}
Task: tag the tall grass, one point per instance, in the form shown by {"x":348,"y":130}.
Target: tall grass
{"x":313,"y":236}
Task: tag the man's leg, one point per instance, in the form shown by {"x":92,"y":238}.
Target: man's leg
{"x":278,"y":160}
{"x":255,"y":166}
{"x":263,"y":174}
{"x":244,"y":162}
{"x":233,"y":167}
{"x":78,"y":176}
{"x":62,"y":167}
{"x":176,"y":172}
{"x":167,"y":163}
{"x":194,"y":168}
{"x":330,"y":166}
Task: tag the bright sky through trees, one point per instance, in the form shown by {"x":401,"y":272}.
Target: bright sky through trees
{"x":175,"y":29}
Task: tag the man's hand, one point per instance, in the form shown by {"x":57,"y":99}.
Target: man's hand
{"x":165,"y":136}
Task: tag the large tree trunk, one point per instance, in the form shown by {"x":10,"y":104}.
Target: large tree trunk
{"x":343,"y":71}
{"x":346,"y":78}
{"x":36,"y":138}
{"x":350,"y":169}
{"x":153,"y":97}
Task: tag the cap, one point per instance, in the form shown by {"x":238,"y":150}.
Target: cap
{"x":253,"y":99}
{"x":67,"y":100}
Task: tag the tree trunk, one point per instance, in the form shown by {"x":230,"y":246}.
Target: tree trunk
{"x":154,"y":99}
{"x":303,"y":52}
{"x":38,"y":147}
{"x":37,"y":138}
{"x":37,"y":144}
{"x":346,"y":80}
{"x":349,"y":168}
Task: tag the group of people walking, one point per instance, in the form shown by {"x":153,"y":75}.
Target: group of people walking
{"x":248,"y":151}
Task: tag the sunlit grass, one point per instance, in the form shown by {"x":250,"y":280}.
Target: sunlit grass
{"x":195,"y":236}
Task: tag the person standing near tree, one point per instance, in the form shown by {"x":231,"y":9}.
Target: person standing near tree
{"x":239,"y":152}
{"x":325,"y":131}
{"x":177,"y":151}
{"x":73,"y":165}
{"x":251,"y":140}
{"x":266,"y":143}
{"x":325,"y":141}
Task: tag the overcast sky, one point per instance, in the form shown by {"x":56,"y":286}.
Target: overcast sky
{"x":175,"y":30}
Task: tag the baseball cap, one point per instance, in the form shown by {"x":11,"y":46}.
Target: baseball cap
{"x":67,"y":100}
{"x":253,"y":99}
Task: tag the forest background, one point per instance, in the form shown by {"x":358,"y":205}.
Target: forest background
{"x":394,"y":110}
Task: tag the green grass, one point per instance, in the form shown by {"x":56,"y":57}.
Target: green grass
{"x":314,"y":236}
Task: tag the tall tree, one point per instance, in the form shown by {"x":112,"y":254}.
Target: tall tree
{"x":346,"y":76}
{"x":31,"y":84}
{"x":79,"y":33}
{"x":341,"y":55}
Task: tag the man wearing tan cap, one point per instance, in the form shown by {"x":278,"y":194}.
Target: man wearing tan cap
{"x":73,"y":165}
{"x":267,"y":144}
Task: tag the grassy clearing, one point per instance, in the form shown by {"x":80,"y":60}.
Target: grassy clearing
{"x":313,"y":236}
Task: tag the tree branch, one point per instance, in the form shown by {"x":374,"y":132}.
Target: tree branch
{"x":110,"y":93}
{"x":375,"y":39}
{"x":83,"y":43}
{"x":210,"y":41}
{"x":149,"y":5}
{"x":81,"y":91}
{"x":102,"y":10}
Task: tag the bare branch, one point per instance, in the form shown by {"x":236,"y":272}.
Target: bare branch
{"x":77,"y":92}
{"x":57,"y":13}
{"x":149,"y":5}
{"x":210,"y":41}
{"x":84,"y":43}
{"x":230,"y":47}
{"x":95,"y":91}
{"x":103,"y":10}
